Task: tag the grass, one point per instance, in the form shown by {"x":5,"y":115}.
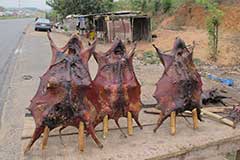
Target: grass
{"x":11,"y":17}
{"x":150,"y":57}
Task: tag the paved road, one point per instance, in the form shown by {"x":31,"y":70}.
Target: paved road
{"x":11,"y":32}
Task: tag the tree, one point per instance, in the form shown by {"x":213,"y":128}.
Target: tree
{"x":66,"y":7}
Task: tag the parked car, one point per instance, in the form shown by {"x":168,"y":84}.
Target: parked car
{"x":43,"y":24}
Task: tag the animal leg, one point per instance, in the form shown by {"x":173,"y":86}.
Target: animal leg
{"x":37,"y":133}
{"x":60,"y":134}
{"x":90,"y":130}
{"x":135,"y":117}
{"x":116,"y":121}
{"x":45,"y":137}
{"x":160,"y":121}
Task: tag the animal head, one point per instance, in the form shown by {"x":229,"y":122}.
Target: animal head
{"x":115,"y":65}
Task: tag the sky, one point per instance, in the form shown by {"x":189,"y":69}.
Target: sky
{"x":41,"y":4}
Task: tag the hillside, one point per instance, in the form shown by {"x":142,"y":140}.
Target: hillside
{"x":189,"y":23}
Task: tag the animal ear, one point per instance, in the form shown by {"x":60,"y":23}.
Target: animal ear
{"x":132,"y":51}
{"x":73,"y":36}
{"x":178,"y":44}
{"x":53,"y":48}
{"x":86,"y":53}
{"x":115,"y":44}
{"x":165,"y":59}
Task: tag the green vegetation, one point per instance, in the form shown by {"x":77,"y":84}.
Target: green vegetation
{"x":8,"y":17}
{"x":150,"y":57}
{"x":66,"y":7}
{"x":53,"y":16}
{"x":12,"y":17}
{"x":213,"y":22}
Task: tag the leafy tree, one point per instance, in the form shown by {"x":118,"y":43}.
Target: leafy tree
{"x":166,"y":5}
{"x":122,"y":5}
{"x":66,"y":7}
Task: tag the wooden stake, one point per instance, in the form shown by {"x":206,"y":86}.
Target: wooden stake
{"x":105,"y":126}
{"x":45,"y":137}
{"x":219,"y":118}
{"x":81,"y":136}
{"x":173,"y":123}
{"x":195,"y":118}
{"x":130,"y":123}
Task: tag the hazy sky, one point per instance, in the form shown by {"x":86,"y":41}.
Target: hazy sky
{"x":41,"y":4}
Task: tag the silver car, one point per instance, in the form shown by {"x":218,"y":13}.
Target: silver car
{"x":43,"y":24}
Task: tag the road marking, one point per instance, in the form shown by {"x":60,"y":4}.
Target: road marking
{"x":17,"y":51}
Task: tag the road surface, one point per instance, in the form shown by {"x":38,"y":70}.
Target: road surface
{"x":11,"y":33}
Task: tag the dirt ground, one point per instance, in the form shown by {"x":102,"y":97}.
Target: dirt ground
{"x":189,"y":23}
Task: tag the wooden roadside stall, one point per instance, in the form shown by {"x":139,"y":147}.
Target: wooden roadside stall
{"x":129,"y":26}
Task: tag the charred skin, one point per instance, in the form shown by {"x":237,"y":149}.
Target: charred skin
{"x":180,"y":87}
{"x":213,"y":96}
{"x":116,"y":90}
{"x":61,"y":97}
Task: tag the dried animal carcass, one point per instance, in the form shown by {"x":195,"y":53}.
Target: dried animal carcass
{"x":117,"y":91}
{"x":213,"y":96}
{"x":180,"y":87}
{"x":61,"y":97}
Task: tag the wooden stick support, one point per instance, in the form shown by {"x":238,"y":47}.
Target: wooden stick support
{"x":105,"y":126}
{"x":130,"y":123}
{"x":219,"y":118}
{"x":45,"y":137}
{"x":173,"y":123}
{"x":195,"y":118}
{"x":81,"y":136}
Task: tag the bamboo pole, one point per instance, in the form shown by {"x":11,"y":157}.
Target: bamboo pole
{"x":81,"y":136}
{"x":45,"y":137}
{"x":130,"y":123}
{"x":219,"y":118}
{"x":195,"y":118}
{"x":173,"y":123}
{"x":105,"y":126}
